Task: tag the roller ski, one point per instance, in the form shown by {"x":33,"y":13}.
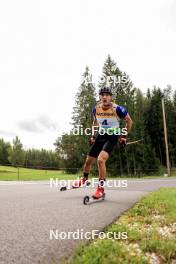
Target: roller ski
{"x":76,"y":184}
{"x":99,"y":194}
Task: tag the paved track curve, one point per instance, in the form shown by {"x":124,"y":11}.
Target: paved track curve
{"x":29,"y":210}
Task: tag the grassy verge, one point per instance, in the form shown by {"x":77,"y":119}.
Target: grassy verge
{"x":8,"y":173}
{"x":151,"y":232}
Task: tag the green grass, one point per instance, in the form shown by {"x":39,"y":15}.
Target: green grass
{"x":151,"y":234}
{"x":9,"y":173}
{"x":142,"y":178}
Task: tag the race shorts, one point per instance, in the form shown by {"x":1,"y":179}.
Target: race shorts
{"x":103,"y":142}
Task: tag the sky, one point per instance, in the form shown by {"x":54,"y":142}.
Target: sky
{"x":46,"y":45}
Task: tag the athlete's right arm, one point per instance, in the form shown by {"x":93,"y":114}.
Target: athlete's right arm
{"x":94,"y":127}
{"x":94,"y":130}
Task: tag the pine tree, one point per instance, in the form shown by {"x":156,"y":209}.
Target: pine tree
{"x":4,"y":152}
{"x":174,"y":100}
{"x":16,"y":153}
{"x":154,"y":124}
{"x":120,"y":83}
{"x":73,"y":148}
{"x":174,"y":128}
{"x":41,"y":158}
{"x":123,"y":94}
{"x":171,"y":122}
{"x":84,"y":102}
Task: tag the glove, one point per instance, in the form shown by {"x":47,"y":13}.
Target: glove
{"x":122,"y":141}
{"x":91,"y":140}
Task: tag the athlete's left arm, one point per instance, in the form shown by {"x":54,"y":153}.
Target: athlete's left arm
{"x":128,"y":122}
{"x":123,"y":138}
{"x":123,"y":114}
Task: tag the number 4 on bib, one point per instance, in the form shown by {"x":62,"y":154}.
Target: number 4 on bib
{"x":105,"y":122}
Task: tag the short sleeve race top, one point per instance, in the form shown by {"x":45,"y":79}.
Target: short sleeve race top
{"x":109,"y":118}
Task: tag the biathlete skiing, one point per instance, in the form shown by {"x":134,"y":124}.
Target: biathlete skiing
{"x":106,"y":116}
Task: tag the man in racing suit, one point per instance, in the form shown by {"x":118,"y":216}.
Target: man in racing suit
{"x":106,"y":115}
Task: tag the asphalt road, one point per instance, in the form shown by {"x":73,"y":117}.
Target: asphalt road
{"x":30,"y":211}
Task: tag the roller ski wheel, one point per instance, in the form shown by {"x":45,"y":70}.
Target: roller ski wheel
{"x":87,"y":199}
{"x":64,"y":188}
{"x":88,"y":183}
